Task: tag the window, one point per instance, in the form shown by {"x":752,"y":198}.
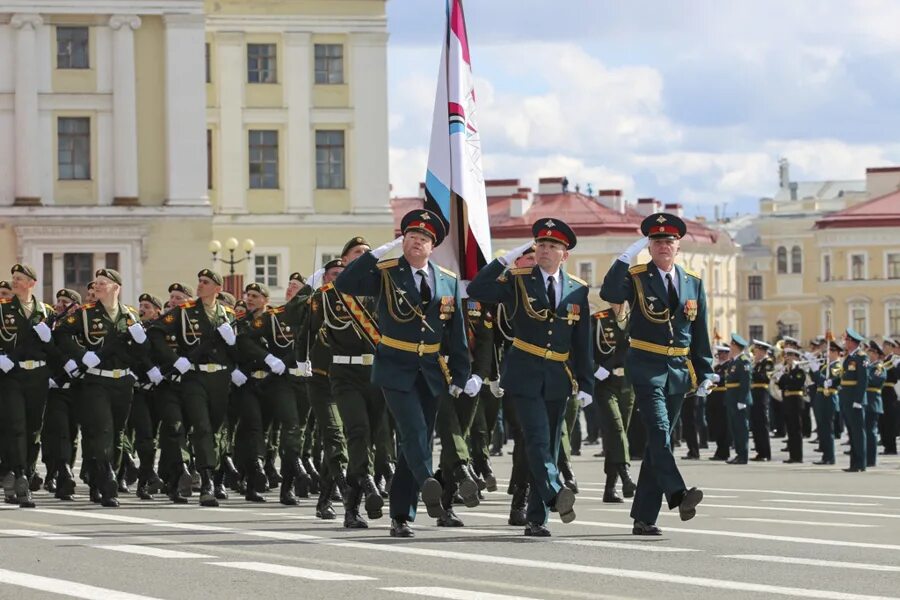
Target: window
{"x":46,"y":278}
{"x":858,"y":267}
{"x":74,"y":147}
{"x":330,"y":160}
{"x":329,"y":63}
{"x":893,"y":265}
{"x":586,"y":272}
{"x":72,"y":48}
{"x":78,"y":271}
{"x":208,"y":78}
{"x":209,"y":160}
{"x":754,"y":288}
{"x":261,"y":63}
{"x":796,"y":260}
{"x":328,"y":257}
{"x":264,"y":160}
{"x":826,"y":267}
{"x":266,"y":269}
{"x":756,"y":332}
{"x":893,"y":319}
{"x":790,"y":329}
{"x":858,"y":320}
{"x":782,"y":259}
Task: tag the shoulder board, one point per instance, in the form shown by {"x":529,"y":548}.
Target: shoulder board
{"x":228,"y":309}
{"x":277,"y":310}
{"x":326,"y":287}
{"x":745,"y":358}
{"x":637,"y":269}
{"x":5,"y":300}
{"x":601,"y":314}
{"x":521,"y":271}
{"x":47,"y":306}
{"x":447,"y":271}
{"x":693,"y":274}
{"x":188,"y":304}
{"x":578,"y":279}
{"x":88,"y":305}
{"x":387,"y":264}
{"x":131,"y":308}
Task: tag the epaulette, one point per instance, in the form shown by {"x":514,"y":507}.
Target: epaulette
{"x":746,"y":358}
{"x":694,"y":274}
{"x":188,"y":304}
{"x":447,"y":271}
{"x":277,"y":310}
{"x":131,"y":308}
{"x":578,"y":279}
{"x":637,"y":269}
{"x":47,"y":306}
{"x":601,"y":314}
{"x":387,"y":264}
{"x":5,"y":300}
{"x":228,"y":309}
{"x":326,"y":287}
{"x":88,"y":305}
{"x":521,"y":271}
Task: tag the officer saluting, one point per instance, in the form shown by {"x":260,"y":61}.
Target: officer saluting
{"x":669,"y":355}
{"x":550,"y":359}
{"x":419,"y":300}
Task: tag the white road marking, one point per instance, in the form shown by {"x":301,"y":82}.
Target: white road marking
{"x":44,"y":535}
{"x":96,"y":515}
{"x":813,"y":562}
{"x":151,"y":551}
{"x":790,"y":493}
{"x":824,"y":502}
{"x":792,"y":522}
{"x":818,"y":511}
{"x":452,"y":593}
{"x":639,"y":546}
{"x":312,"y":574}
{"x":66,"y":588}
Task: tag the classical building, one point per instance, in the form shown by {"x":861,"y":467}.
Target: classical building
{"x":606,"y":224}
{"x":131,"y":139}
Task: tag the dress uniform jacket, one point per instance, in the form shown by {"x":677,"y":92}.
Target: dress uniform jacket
{"x":197,"y":338}
{"x":737,"y":381}
{"x":876,"y":381}
{"x":855,"y":377}
{"x":91,"y":328}
{"x":17,"y":341}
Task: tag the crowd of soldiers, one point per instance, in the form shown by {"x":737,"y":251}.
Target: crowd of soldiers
{"x":338,"y":390}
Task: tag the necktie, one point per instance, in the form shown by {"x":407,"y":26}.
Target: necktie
{"x":673,"y":295}
{"x":551,"y":292}
{"x":424,"y":290}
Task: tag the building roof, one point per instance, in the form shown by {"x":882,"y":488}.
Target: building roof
{"x":883,"y":211}
{"x":820,"y":190}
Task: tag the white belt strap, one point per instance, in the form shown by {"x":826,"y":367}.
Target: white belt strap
{"x":365,"y":359}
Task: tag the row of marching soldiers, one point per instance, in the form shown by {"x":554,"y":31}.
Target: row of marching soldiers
{"x":788,"y":392}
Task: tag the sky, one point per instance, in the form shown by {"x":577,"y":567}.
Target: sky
{"x":692,"y":101}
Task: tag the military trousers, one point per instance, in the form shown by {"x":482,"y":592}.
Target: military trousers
{"x":415,"y":412}
{"x":23,"y":399}
{"x":483,"y":424}
{"x":689,"y":425}
{"x":542,"y":421}
{"x":454,"y":421}
{"x":890,"y":420}
{"x":573,"y":408}
{"x":792,"y":410}
{"x":204,"y":402}
{"x":104,"y":407}
{"x":360,"y":407}
{"x":871,"y":427}
{"x":759,"y":422}
{"x":518,"y":476}
{"x":385,"y":446}
{"x":825,"y":410}
{"x":856,"y":430}
{"x":60,"y":427}
{"x":287,"y":397}
{"x":326,"y":415}
{"x":739,"y":426}
{"x":254,"y":418}
{"x":145,"y":420}
{"x":173,"y":449}
{"x":614,"y":398}
{"x":659,"y":476}
{"x":717,"y":416}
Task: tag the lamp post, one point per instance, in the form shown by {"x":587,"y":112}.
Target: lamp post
{"x":233,"y":282}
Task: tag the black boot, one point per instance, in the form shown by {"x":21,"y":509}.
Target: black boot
{"x":517,"y":514}
{"x":9,"y":487}
{"x":302,"y":479}
{"x":130,"y":469}
{"x":232,"y":476}
{"x":449,"y":519}
{"x":23,"y":490}
{"x":50,"y":481}
{"x":143,"y":483}
{"x":207,"y":493}
{"x":180,"y":484}
{"x":257,"y":478}
{"x":381,"y":484}
{"x":271,"y":472}
{"x":108,"y":487}
{"x":288,"y":498}
{"x":609,"y":492}
{"x":479,"y":481}
{"x":487,"y":473}
{"x":628,"y":486}
{"x":352,"y":499}
{"x":35,"y":482}
{"x":155,"y":485}
{"x":324,"y":509}
{"x":219,"y":485}
{"x":315,"y":479}
{"x":568,"y":477}
{"x":374,"y":501}
{"x":65,"y":482}
{"x":121,"y":483}
{"x":468,"y":488}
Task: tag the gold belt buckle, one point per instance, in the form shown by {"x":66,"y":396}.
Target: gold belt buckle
{"x":28,"y":365}
{"x":115,"y":373}
{"x":671,"y":351}
{"x":421,"y":348}
{"x":548,"y":353}
{"x":368,"y":359}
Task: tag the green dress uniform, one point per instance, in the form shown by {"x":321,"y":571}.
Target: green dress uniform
{"x":792,"y":383}
{"x":854,"y":381}
{"x":717,"y":414}
{"x":738,"y":401}
{"x":408,"y":365}
{"x":23,"y":391}
{"x":828,"y":386}
{"x":874,"y":408}
{"x":761,"y":378}
{"x":488,"y":408}
{"x":889,"y":423}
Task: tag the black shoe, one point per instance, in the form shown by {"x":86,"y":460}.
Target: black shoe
{"x":687,"y":508}
{"x":273,"y":479}
{"x":736,"y":461}
{"x":496,"y":452}
{"x":23,"y":492}
{"x":142,"y":491}
{"x":34,"y":484}
{"x":641,"y":528}
{"x":517,"y":514}
{"x":219,"y":489}
{"x":129,"y":469}
{"x":251,"y":496}
{"x":374,"y":502}
{"x":628,"y":484}
{"x":324,"y":509}
{"x":568,"y":478}
{"x":315,"y":480}
{"x":823,"y":462}
{"x":431,"y":496}
{"x":303,"y":480}
{"x":467,"y":487}
{"x":759,"y":458}
{"x":690,"y":456}
{"x":609,"y":490}
{"x":94,"y":495}
{"x":109,"y":502}
{"x":717,"y":457}
{"x":381,"y":484}
{"x":50,"y":484}
{"x":855,"y":470}
{"x":287,"y":496}
{"x":184,"y":481}
{"x":536,"y":530}
{"x":565,"y":505}
{"x":65,"y":482}
{"x":791,"y":461}
{"x":122,"y":485}
{"x":258,"y":479}
{"x":450,"y":520}
{"x":401,"y":529}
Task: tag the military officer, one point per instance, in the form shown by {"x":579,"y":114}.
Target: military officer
{"x":828,"y":385}
{"x":106,"y":338}
{"x":888,"y":424}
{"x":792,"y":383}
{"x":419,"y":301}
{"x":874,"y":403}
{"x":25,"y":343}
{"x":6,"y":292}
{"x":738,"y":399}
{"x":550,"y":360}
{"x":669,"y":356}
{"x":761,"y":377}
{"x":853,"y":398}
{"x":716,"y":412}
{"x":614,"y":394}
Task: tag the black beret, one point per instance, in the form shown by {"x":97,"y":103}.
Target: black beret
{"x":425,"y":221}
{"x":110,"y":274}
{"x":353,"y":243}
{"x":26,"y":270}
{"x":70,"y":294}
{"x":154,"y":300}
{"x":180,"y":287}
{"x":5,"y":284}
{"x":212,"y":275}
{"x":259,"y":288}
{"x":297,"y":277}
{"x":334,"y":262}
{"x":90,"y":285}
{"x":226,"y":298}
{"x":240,"y":304}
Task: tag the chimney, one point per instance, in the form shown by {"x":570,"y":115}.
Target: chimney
{"x":793,"y":185}
{"x":612,"y":199}
{"x":550,"y":185}
{"x":421,"y":190}
{"x":882,"y":180}
{"x":784,"y":174}
{"x":520,"y":203}
{"x":501,"y":187}
{"x":647,"y":206}
{"x":675,"y":209}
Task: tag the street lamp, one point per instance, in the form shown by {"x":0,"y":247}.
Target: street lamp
{"x":231,"y":244}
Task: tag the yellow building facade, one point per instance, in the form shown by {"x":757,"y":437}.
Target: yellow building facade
{"x":132,"y":140}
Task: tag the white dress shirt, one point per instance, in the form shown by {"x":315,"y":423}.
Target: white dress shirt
{"x":674,"y":275}
{"x":557,"y":284}
{"x":429,"y":274}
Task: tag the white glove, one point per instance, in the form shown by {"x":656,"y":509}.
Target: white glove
{"x":238,"y":378}
{"x":857,"y":405}
{"x":6,"y":364}
{"x":155,"y":376}
{"x":227,"y":333}
{"x":137,"y":333}
{"x":585,"y":399}
{"x":275,"y":364}
{"x":455,"y":390}
{"x":182,"y":365}
{"x":305,"y":369}
{"x":714,"y":378}
{"x":43,"y":332}
{"x":473,"y":386}
{"x":633,"y":250}
{"x":52,"y":384}
{"x":706,"y":386}
{"x":385,"y":248}
{"x":71,"y":368}
{"x":828,"y":383}
{"x":90,"y":360}
{"x":496,"y":390}
{"x":315,"y":280}
{"x":741,"y":406}
{"x":814,"y":364}
{"x":511,"y":256}
{"x":601,"y":373}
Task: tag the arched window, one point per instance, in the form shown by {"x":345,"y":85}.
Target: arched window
{"x":796,"y":260}
{"x":782,"y":259}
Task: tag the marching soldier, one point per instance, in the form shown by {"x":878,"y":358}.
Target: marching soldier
{"x":6,"y":292}
{"x":828,"y":385}
{"x":854,"y":381}
{"x":542,"y":371}
{"x":761,"y":377}
{"x":419,"y":301}
{"x":738,"y":398}
{"x":792,"y":383}
{"x":874,"y":403}
{"x":490,"y":397}
{"x":890,"y":420}
{"x":615,"y":396}
{"x":25,"y":345}
{"x":716,"y":412}
{"x":669,"y":356}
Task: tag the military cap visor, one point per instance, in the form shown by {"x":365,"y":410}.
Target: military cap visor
{"x":738,"y":340}
{"x":833,"y":345}
{"x":890,"y":342}
{"x":791,"y":340}
{"x":259,"y":288}
{"x":69,"y":294}
{"x":353,"y":243}
{"x":854,"y":335}
{"x":110,"y":274}
{"x":793,"y":351}
{"x":762,"y":344}
{"x":874,"y":347}
{"x":26,"y":270}
{"x":211,"y":275}
{"x":90,"y":285}
{"x":5,"y":284}
{"x":721,"y":348}
{"x":554,"y":230}
{"x":663,"y":226}
{"x":424,"y":221}
{"x":154,"y":300}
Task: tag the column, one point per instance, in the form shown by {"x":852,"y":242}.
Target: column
{"x":368,"y":142}
{"x":125,"y":161}
{"x":185,"y":110}
{"x":233,"y":172}
{"x":298,"y":93}
{"x":27,"y":134}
